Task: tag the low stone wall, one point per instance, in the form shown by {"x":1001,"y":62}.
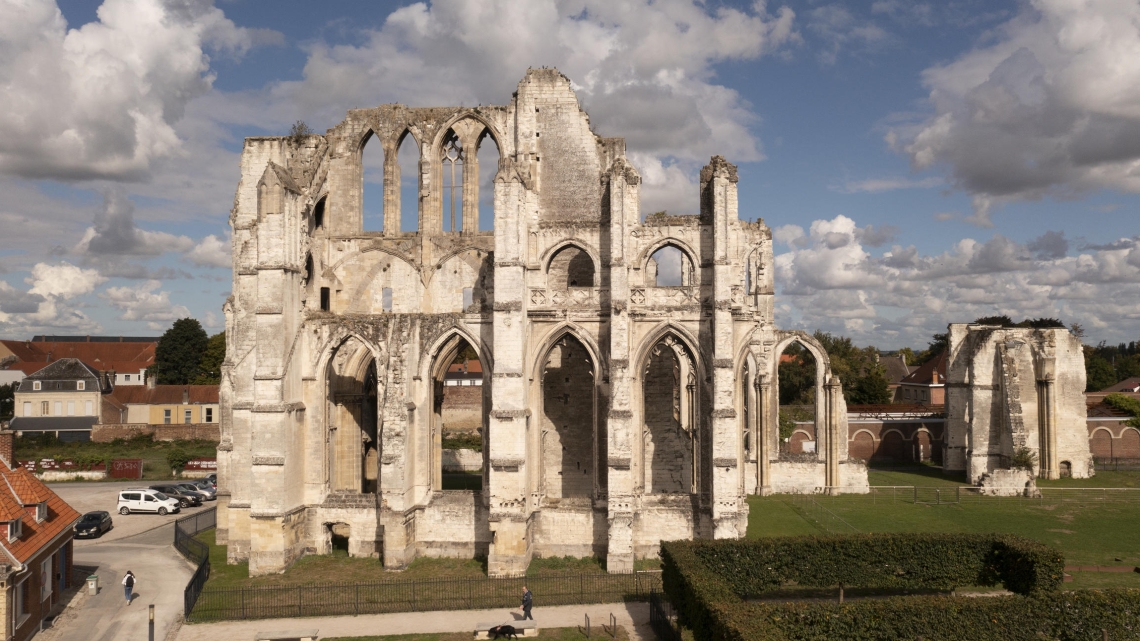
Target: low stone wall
{"x":105,"y":433}
{"x":792,"y":477}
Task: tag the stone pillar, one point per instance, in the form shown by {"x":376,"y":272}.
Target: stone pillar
{"x":624,"y":202}
{"x":1048,"y":462}
{"x":392,"y":189}
{"x":834,"y":395}
{"x":764,"y":436}
{"x":470,"y":185}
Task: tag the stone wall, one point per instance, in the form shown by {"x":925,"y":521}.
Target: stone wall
{"x":462,"y":407}
{"x":107,"y":432}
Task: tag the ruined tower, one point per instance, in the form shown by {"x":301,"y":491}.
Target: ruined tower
{"x":629,"y":363}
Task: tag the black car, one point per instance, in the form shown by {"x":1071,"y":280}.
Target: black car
{"x":93,"y":525}
{"x":185,"y":498}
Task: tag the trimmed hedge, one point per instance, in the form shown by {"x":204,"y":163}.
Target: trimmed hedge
{"x":707,"y":580}
{"x":1079,"y":615}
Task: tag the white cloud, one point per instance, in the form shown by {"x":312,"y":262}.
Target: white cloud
{"x":100,"y":101}
{"x":115,"y":233}
{"x":63,"y":280}
{"x":840,"y":30}
{"x":143,"y":303}
{"x":1049,"y":106}
{"x":877,"y":185}
{"x":211,"y":252}
{"x":827,"y":278}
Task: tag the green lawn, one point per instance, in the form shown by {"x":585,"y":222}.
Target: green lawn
{"x":548,"y":634}
{"x":1088,"y":533}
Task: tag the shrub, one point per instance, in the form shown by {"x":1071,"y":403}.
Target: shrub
{"x":1024,"y":459}
{"x":178,"y":458}
{"x":1127,"y":404}
{"x":708,"y":580}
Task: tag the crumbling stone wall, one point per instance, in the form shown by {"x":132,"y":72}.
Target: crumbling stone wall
{"x":1011,"y":390}
{"x":338,"y":340}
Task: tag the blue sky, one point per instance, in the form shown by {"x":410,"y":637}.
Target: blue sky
{"x":919,"y":163}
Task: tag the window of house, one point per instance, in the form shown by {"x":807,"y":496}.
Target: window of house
{"x":186,"y":416}
{"x":166,"y":416}
{"x":58,"y":408}
{"x":127,"y":377}
{"x":45,"y":580}
{"x":209,"y":415}
{"x":71,"y":408}
{"x":924,"y":395}
{"x":41,"y":512}
{"x":87,"y":407}
{"x":81,"y":385}
{"x":27,"y":409}
{"x":44,"y":408}
{"x":21,"y":609}
{"x":325,"y":299}
{"x":36,"y":386}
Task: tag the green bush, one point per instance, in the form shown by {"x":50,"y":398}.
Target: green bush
{"x":178,"y":458}
{"x":707,"y":581}
{"x":1059,"y":615}
{"x":1127,"y":404}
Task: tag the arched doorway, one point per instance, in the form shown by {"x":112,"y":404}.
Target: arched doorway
{"x":570,"y":449}
{"x":458,"y":421}
{"x":353,"y":439}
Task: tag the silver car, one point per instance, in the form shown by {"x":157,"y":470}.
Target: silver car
{"x":207,"y":493}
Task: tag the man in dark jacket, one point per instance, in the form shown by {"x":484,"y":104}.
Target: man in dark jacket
{"x":527,"y":604}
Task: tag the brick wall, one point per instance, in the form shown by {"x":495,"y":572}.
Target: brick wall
{"x":462,"y":407}
{"x":105,"y":433}
{"x":1113,"y":439}
{"x":895,"y":442}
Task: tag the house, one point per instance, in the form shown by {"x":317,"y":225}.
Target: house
{"x":64,"y":397}
{"x":35,"y":547}
{"x":1127,"y":387}
{"x":122,"y":359}
{"x":926,"y":385}
{"x":162,"y":405}
{"x":896,"y":369}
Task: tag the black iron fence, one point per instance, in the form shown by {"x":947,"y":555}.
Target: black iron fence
{"x":662,"y":619}
{"x":196,"y":551}
{"x":1115,"y":464}
{"x":266,"y":602}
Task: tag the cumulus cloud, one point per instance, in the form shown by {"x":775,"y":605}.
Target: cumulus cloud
{"x":1049,"y":106}
{"x":63,"y":280}
{"x":840,"y":29}
{"x":145,"y":302}
{"x":211,"y":252}
{"x":101,"y":101}
{"x":828,"y":279}
{"x":115,"y":233}
{"x":628,"y":61}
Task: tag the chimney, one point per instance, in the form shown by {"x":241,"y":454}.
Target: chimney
{"x":6,"y":446}
{"x":149,"y":379}
{"x":934,"y":376}
{"x":185,"y":395}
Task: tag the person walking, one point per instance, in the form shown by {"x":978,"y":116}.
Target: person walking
{"x":527,"y":604}
{"x":129,"y":585}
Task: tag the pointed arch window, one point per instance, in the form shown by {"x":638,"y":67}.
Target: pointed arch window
{"x":452,"y":158}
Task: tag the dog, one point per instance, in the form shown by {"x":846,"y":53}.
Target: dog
{"x":503,"y":632}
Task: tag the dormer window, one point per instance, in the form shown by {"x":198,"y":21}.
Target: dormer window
{"x":36,"y":386}
{"x":41,"y":512}
{"x":81,"y":385}
{"x":15,"y":529}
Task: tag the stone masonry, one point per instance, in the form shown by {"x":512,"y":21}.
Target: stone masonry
{"x":619,"y":407}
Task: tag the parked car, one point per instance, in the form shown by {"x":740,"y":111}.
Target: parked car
{"x":201,"y":485}
{"x":205,"y":492}
{"x":144,"y":499}
{"x":93,"y":525}
{"x":185,"y":498}
{"x":212,"y":477}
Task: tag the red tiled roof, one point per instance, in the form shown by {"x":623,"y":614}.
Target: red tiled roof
{"x":1104,"y":410}
{"x":102,"y":356}
{"x":163,"y":394}
{"x":21,"y":489}
{"x":924,"y":375}
{"x":1127,"y":385}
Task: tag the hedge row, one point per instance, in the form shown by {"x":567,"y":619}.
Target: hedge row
{"x":900,"y":561}
{"x":707,"y":580}
{"x":1068,"y":616}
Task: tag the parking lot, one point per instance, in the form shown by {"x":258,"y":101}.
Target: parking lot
{"x":87,"y":497}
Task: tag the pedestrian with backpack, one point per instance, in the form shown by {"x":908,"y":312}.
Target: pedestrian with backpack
{"x":129,"y":585}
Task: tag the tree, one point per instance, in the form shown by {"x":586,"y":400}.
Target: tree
{"x":8,"y":400}
{"x":179,"y":352}
{"x":1077,"y":330}
{"x":1127,"y":367}
{"x":938,"y":343}
{"x":210,"y":368}
{"x":909,"y":357}
{"x":797,"y":377}
{"x":1098,"y":373}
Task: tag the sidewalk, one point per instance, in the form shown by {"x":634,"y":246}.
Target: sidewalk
{"x":634,"y":617}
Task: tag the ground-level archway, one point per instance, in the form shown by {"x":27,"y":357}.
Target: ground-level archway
{"x":353,"y":437}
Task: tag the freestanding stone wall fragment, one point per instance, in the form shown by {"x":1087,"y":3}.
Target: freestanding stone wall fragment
{"x":630,"y":377}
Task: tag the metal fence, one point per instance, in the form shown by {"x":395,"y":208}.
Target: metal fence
{"x":196,"y":551}
{"x":332,"y":599}
{"x":662,"y":619}
{"x":956,"y":495}
{"x":1106,"y":464}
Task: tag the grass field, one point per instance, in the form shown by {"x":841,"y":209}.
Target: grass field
{"x":153,"y":453}
{"x":1087,"y":533}
{"x":548,"y":634}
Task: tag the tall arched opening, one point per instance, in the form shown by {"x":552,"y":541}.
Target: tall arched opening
{"x":569,"y":443}
{"x":799,"y":374}
{"x":458,"y":421}
{"x":372,"y":171}
{"x":353,"y":439}
{"x":669,"y":410}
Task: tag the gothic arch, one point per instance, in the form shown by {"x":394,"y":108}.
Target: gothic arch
{"x":553,"y":250}
{"x":468,"y":114}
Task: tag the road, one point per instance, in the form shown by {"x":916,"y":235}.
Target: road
{"x":138,"y":542}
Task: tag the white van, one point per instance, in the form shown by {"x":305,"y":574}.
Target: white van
{"x":141,"y":499}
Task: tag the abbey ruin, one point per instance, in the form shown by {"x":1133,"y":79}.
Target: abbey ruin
{"x":629,"y":363}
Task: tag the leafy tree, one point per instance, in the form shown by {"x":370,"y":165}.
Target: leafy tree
{"x":1077,"y":330}
{"x":797,"y":377}
{"x":8,"y":400}
{"x":1127,"y":367}
{"x":909,"y":357}
{"x":210,"y":368}
{"x":872,"y":388}
{"x":938,"y":343}
{"x":863,"y":378}
{"x":1098,"y":373}
{"x":1000,"y":321}
{"x":179,"y":352}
